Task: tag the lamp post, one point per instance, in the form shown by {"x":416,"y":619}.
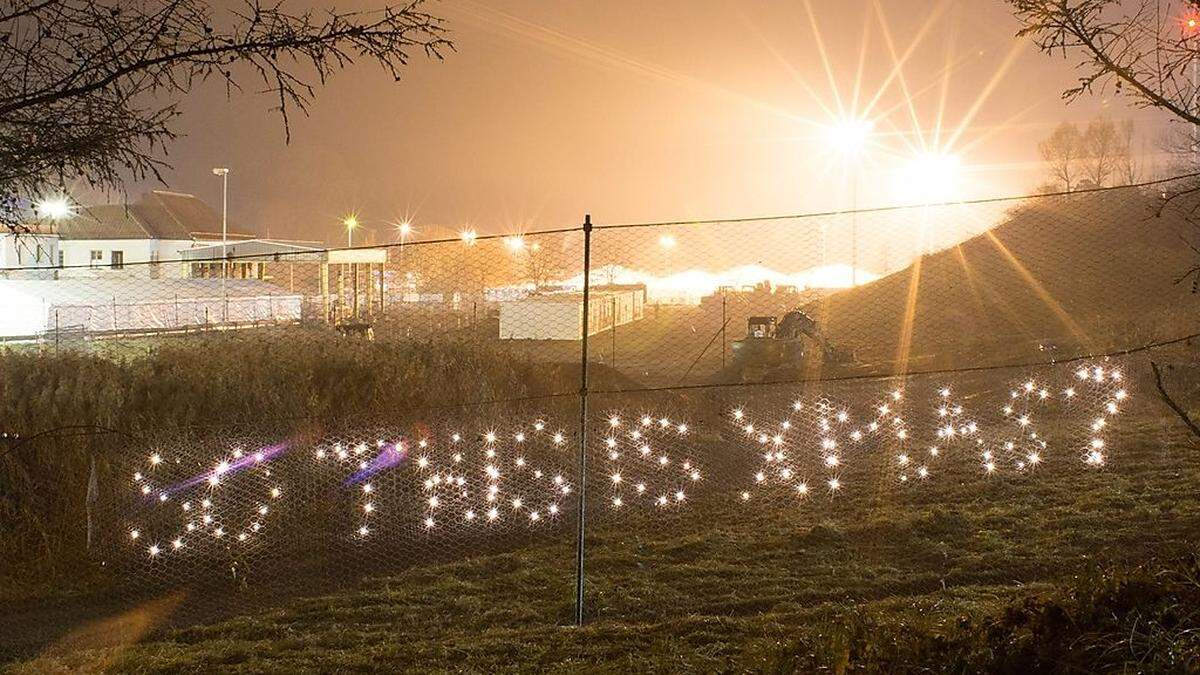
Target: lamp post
{"x":404,"y":229}
{"x":351,"y":222}
{"x":849,"y":137}
{"x":223,"y":172}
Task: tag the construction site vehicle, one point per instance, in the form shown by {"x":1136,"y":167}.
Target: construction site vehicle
{"x":776,"y":349}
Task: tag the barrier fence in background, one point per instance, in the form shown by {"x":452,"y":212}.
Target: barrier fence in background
{"x":665,"y":411}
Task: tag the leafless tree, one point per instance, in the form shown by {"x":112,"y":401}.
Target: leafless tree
{"x":542,"y":264}
{"x":89,"y":88}
{"x":1129,"y":168}
{"x":1062,"y":151}
{"x":1143,"y":49}
{"x":1101,"y":151}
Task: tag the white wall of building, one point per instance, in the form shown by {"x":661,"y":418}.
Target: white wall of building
{"x":559,"y":316}
{"x":136,"y":253}
{"x":28,"y":250}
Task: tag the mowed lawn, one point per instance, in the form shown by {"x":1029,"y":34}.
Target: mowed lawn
{"x":886,"y":577}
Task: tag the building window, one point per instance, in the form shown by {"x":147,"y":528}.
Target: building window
{"x":96,"y":257}
{"x":118,"y":259}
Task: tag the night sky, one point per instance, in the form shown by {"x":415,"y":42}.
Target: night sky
{"x":633,"y":110}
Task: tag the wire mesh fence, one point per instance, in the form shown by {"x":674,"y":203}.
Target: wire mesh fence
{"x":669,"y":416}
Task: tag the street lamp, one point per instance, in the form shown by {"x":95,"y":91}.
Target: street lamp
{"x":351,"y":222}
{"x":468,"y":237}
{"x":404,"y":229}
{"x":849,"y":137}
{"x":515,"y":243}
{"x":54,"y":208}
{"x":223,"y":172}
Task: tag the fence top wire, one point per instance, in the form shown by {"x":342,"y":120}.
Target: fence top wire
{"x":898,"y":207}
{"x":281,"y":255}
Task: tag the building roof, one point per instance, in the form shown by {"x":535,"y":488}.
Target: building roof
{"x":107,"y":221}
{"x":259,"y":249}
{"x":159,"y":214}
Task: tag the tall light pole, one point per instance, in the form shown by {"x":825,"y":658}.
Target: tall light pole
{"x":351,"y":222}
{"x":849,"y":137}
{"x":223,"y":172}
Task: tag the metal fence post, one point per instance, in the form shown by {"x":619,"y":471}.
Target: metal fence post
{"x":583,"y":418}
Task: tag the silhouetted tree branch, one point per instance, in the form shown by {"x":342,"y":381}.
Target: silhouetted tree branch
{"x":1175,"y":407}
{"x":88,"y":88}
{"x":1136,"y":47}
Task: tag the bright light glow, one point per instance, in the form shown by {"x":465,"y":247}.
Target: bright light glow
{"x":54,"y":208}
{"x":668,"y":241}
{"x":849,"y":136}
{"x":350,"y":221}
{"x":515,"y":243}
{"x":931,"y":178}
{"x":468,"y":236}
{"x":405,"y":229}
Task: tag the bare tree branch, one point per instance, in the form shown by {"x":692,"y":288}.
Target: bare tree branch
{"x":1120,"y":45}
{"x":1175,"y":407}
{"x":88,"y":88}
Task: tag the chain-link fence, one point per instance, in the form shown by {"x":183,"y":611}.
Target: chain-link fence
{"x":658,"y":419}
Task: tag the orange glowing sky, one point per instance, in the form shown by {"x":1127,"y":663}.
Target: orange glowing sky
{"x":633,"y":110}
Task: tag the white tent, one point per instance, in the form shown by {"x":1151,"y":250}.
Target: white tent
{"x":29,"y":308}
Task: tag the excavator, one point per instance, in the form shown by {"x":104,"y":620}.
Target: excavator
{"x":774,"y":349}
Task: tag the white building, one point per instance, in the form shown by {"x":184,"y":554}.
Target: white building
{"x":28,"y":249}
{"x":559,"y":316}
{"x":139,"y":237}
{"x":130,"y":305}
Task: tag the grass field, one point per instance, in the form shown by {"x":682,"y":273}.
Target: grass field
{"x":1069,"y":569}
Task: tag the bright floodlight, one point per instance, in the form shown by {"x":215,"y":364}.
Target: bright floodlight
{"x":468,"y":236}
{"x":931,"y":178}
{"x":849,"y":135}
{"x":55,"y":208}
{"x":515,"y":243}
{"x":405,"y":228}
{"x":350,"y":221}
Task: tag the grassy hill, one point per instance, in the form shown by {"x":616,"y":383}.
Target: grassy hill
{"x":1085,"y":272}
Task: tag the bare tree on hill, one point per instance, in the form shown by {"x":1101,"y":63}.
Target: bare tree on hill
{"x":89,"y":89}
{"x":1062,"y":151}
{"x":1101,"y":151}
{"x":1094,"y":157}
{"x":1143,"y":49}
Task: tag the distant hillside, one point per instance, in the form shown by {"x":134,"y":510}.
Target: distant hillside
{"x":1084,"y":272}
